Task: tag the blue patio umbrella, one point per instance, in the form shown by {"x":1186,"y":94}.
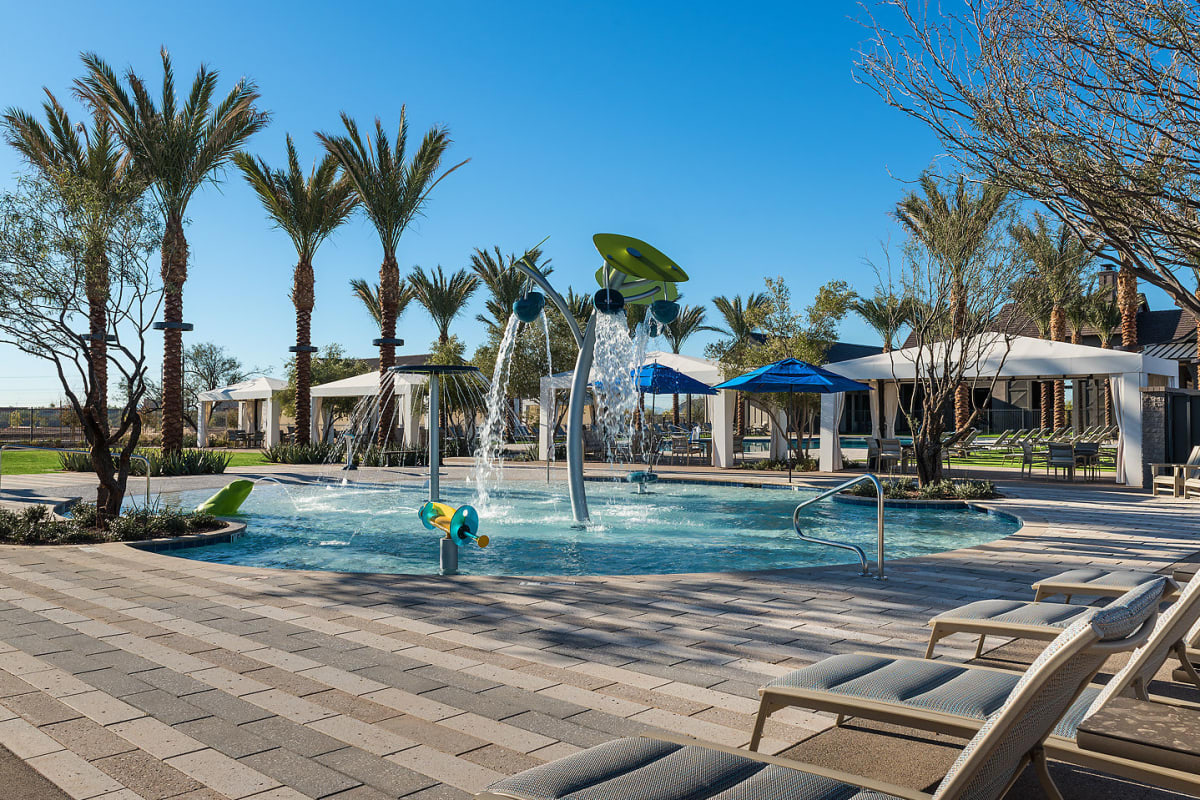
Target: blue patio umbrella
{"x":660,"y":379}
{"x":792,"y":375}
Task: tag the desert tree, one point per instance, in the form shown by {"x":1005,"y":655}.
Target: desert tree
{"x":177,"y":145}
{"x":953,"y":343}
{"x":1090,"y":107}
{"x":47,"y":246}
{"x":308,"y":208}
{"x":393,"y":189}
{"x":66,"y":151}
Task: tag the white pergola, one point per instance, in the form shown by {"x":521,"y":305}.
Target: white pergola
{"x":367,"y":385}
{"x":1010,"y":357}
{"x":249,"y":395}
{"x":720,"y":406}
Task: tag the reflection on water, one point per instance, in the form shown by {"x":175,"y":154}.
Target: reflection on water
{"x":679,"y":528}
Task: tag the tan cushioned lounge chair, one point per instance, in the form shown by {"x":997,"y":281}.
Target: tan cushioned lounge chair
{"x":955,"y":699}
{"x":677,"y":768}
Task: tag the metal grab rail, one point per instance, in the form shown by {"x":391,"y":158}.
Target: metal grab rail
{"x":862,"y":556}
{"x":63,"y":450}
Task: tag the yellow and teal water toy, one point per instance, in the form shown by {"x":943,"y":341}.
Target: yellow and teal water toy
{"x":228,"y":500}
{"x":457,"y":523}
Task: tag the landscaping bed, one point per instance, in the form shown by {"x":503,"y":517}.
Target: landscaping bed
{"x":907,"y":489}
{"x":38,"y":525}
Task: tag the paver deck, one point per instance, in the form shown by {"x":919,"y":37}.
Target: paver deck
{"x":129,"y":674}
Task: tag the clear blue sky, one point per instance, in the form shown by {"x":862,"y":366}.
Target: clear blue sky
{"x":732,"y":137}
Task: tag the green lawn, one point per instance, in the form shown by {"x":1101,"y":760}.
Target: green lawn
{"x":247,"y":460}
{"x":29,"y":462}
{"x":32,"y":462}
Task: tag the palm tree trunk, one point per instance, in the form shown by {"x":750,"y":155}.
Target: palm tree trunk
{"x":1058,"y":324}
{"x":97,"y":295}
{"x":1106,"y":387}
{"x":303,"y":298}
{"x":958,"y":310}
{"x":1047,"y":404}
{"x":174,"y":274}
{"x":1127,"y":300}
{"x":389,"y":298}
{"x":675,"y":409}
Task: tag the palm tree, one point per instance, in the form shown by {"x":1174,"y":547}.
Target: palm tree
{"x":1033,"y":297}
{"x":93,"y":161}
{"x":954,"y":228}
{"x":368,"y":294}
{"x":886,"y":313}
{"x":504,"y":282}
{"x":1105,"y":317}
{"x":1127,"y":302}
{"x":1060,"y":259}
{"x":737,"y":314}
{"x":1075,"y":314}
{"x":689,"y":322}
{"x":443,"y":296}
{"x":176,"y":148}
{"x":392,"y":190}
{"x":308,"y":209}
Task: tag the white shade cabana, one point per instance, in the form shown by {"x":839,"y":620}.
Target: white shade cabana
{"x":367,"y":385}
{"x":1009,"y":357}
{"x":248,"y":395}
{"x":702,"y":369}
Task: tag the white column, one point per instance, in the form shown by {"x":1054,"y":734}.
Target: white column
{"x":829,"y":433}
{"x":722,"y":428}
{"x":779,"y":435}
{"x":202,"y":424}
{"x":271,"y":412}
{"x":314,"y":419}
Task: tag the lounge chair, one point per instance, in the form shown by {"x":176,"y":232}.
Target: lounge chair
{"x":678,"y":768}
{"x":1018,"y":620}
{"x":956,"y":699}
{"x":1093,"y":582}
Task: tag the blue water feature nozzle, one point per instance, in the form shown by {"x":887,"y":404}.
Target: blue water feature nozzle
{"x":529,"y":307}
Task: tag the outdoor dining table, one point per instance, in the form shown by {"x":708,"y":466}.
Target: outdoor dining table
{"x":1141,"y":730}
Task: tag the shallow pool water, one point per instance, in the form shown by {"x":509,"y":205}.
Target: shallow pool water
{"x":677,"y":528}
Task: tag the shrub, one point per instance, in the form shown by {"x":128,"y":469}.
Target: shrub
{"x":312,"y":453}
{"x":778,"y":465}
{"x":183,"y":462}
{"x":35,"y":525}
{"x":907,"y":489}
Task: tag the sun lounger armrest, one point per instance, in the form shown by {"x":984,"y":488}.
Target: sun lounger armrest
{"x":837,"y":775}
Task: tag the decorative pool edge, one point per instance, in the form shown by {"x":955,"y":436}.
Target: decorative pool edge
{"x":231,"y":531}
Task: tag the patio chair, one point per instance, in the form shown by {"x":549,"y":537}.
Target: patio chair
{"x":891,"y":454}
{"x":1172,"y":476}
{"x":1191,"y":485}
{"x":956,"y":699}
{"x":1060,"y":456}
{"x":963,"y":447}
{"x":677,"y":767}
{"x":1031,"y":458}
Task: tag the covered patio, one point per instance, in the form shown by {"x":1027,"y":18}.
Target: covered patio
{"x":1017,"y":357}
{"x":367,"y":385}
{"x":258,"y":408}
{"x":718,"y":408}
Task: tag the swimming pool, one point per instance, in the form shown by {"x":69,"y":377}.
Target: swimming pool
{"x":678,"y":528}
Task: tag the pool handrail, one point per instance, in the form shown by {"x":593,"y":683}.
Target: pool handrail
{"x":862,"y":556}
{"x":66,"y":450}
